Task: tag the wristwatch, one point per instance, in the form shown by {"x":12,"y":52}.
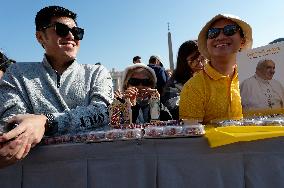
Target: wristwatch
{"x":51,"y":126}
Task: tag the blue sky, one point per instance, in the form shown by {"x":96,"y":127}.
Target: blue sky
{"x":117,"y":30}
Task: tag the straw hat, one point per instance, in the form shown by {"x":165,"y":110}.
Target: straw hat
{"x":202,"y":37}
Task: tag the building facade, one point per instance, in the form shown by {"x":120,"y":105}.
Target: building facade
{"x":116,"y":79}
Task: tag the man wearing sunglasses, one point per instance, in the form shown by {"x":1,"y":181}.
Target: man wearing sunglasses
{"x":56,"y":96}
{"x":213,"y":94}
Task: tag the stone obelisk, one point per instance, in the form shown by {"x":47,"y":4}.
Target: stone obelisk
{"x":171,"y":60}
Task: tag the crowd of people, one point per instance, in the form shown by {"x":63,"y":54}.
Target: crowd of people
{"x":59,"y":95}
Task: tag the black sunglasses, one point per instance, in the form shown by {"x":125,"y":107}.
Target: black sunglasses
{"x":63,"y":30}
{"x":137,"y":82}
{"x":228,"y":30}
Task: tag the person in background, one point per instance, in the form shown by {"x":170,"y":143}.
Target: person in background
{"x":5,"y":62}
{"x":161,"y":74}
{"x":189,"y":62}
{"x":1,"y":73}
{"x":213,"y":94}
{"x":136,"y":59}
{"x":139,"y":82}
{"x":261,"y":91}
{"x":169,"y":72}
{"x":277,"y":40}
{"x":55,"y":96}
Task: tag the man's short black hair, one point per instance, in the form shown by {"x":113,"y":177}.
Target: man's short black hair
{"x":44,"y":16}
{"x":136,"y":58}
{"x":152,"y":59}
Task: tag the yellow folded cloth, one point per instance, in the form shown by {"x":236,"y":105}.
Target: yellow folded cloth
{"x":226,"y":135}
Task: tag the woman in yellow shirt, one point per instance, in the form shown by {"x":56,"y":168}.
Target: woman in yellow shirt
{"x":213,"y":94}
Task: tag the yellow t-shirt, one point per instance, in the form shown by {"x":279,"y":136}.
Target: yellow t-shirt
{"x":210,"y":95}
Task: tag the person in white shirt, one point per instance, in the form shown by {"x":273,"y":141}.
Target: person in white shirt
{"x":261,"y":91}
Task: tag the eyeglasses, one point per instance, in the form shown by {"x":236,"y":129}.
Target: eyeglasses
{"x":228,"y":30}
{"x":196,"y":59}
{"x":137,"y":82}
{"x":63,"y":30}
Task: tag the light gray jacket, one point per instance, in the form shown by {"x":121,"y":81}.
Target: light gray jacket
{"x":78,"y":98}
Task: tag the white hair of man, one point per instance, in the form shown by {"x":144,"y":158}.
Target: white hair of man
{"x":260,"y":65}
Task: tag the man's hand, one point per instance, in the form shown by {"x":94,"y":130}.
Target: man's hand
{"x":13,"y":151}
{"x":29,"y":125}
{"x":16,"y":144}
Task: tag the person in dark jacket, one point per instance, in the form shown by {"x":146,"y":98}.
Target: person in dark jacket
{"x":161,"y":74}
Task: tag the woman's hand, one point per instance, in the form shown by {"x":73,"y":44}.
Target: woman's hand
{"x":118,"y":95}
{"x":131,"y":94}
